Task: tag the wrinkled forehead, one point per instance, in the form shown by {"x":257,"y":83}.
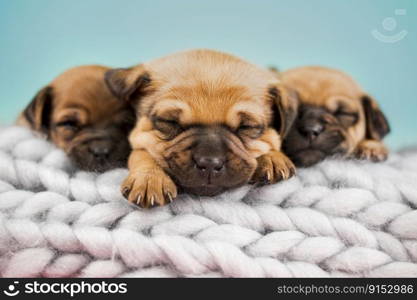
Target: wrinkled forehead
{"x":87,"y":102}
{"x":332,"y":100}
{"x":211,"y":104}
{"x":208,"y":88}
{"x":324,"y":87}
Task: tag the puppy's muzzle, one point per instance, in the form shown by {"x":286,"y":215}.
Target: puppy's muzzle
{"x":209,"y":160}
{"x":315,"y":135}
{"x":209,"y":157}
{"x":319,"y":128}
{"x":311,"y":128}
{"x":99,"y":151}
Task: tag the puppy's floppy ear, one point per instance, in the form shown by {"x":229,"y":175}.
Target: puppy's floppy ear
{"x":377,"y":126}
{"x":38,"y":112}
{"x":285,"y":106}
{"x":128,"y":84}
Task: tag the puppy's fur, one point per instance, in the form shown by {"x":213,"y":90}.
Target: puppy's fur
{"x":208,"y":121}
{"x":336,"y":117}
{"x":78,"y":113}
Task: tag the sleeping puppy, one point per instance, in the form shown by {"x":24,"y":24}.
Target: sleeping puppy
{"x":207,"y":122}
{"x":80,"y":115}
{"x":336,"y":117}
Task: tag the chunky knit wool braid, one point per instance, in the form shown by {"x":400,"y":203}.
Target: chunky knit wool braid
{"x":339,"y":218}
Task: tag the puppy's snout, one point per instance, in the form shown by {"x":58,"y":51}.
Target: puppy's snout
{"x":209,"y":163}
{"x":209,"y":156}
{"x":311,"y":129}
{"x":100,"y":149}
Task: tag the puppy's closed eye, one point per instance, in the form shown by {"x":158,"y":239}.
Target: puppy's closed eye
{"x":346,"y":118}
{"x":252,"y":131}
{"x":67,"y":128}
{"x":170,"y":128}
{"x":68,"y":124}
{"x":249,"y":126}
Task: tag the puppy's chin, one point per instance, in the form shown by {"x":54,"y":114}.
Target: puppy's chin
{"x":205,"y":190}
{"x":83,"y":162}
{"x":196,"y":185}
{"x":307,"y":157}
{"x":311,"y":156}
{"x":202,"y":186}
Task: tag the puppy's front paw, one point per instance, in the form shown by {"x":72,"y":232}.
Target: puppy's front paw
{"x":273,"y":167}
{"x":372,"y":150}
{"x":148,"y":189}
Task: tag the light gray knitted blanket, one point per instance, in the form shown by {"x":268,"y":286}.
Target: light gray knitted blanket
{"x":339,"y":218}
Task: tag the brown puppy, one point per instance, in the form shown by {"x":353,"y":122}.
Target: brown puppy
{"x":208,"y":121}
{"x":80,"y":115}
{"x":336,"y":117}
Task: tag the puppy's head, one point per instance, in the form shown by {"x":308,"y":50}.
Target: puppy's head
{"x":205,"y":116}
{"x":335,"y":115}
{"x":79,"y":114}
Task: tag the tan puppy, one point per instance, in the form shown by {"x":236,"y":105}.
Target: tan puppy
{"x":78,"y":113}
{"x":336,"y":117}
{"x":207,"y":121}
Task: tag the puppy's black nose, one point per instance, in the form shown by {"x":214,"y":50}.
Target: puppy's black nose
{"x":209,"y":163}
{"x":99,"y":149}
{"x":311,"y":130}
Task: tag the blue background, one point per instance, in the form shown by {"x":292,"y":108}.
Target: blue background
{"x":39,"y":39}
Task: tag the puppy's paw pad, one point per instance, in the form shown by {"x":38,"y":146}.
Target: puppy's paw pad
{"x":149,"y":189}
{"x":372,"y":150}
{"x":273,"y":167}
